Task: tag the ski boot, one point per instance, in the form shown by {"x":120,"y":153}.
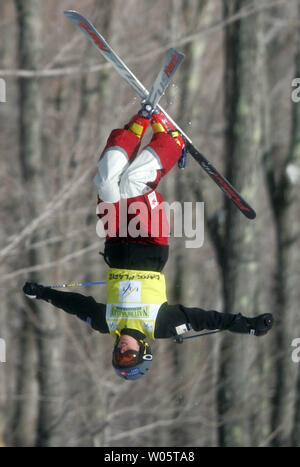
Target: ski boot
{"x":139,"y":122}
{"x":160,"y":123}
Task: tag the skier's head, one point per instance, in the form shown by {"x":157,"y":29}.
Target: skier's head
{"x":132,"y":357}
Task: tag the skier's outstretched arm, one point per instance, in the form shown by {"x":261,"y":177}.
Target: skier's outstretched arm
{"x":171,"y":316}
{"x":85,"y":308}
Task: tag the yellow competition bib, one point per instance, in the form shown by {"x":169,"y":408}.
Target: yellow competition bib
{"x":134,"y":299}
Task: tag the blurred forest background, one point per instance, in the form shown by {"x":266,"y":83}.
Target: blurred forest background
{"x":232,"y":95}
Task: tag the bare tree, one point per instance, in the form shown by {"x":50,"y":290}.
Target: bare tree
{"x":283,"y":187}
{"x":237,"y":251}
{"x":44,"y":329}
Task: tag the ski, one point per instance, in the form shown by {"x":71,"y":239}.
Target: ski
{"x":110,"y":55}
{"x":105,"y":49}
{"x":170,"y":65}
{"x":221,"y":181}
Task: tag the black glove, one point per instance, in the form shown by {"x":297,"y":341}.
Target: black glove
{"x":33,"y":290}
{"x":262,"y":324}
{"x":258,"y":326}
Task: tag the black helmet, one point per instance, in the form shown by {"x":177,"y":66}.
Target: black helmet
{"x":132,"y":364}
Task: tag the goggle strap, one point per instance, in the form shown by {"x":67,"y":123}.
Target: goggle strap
{"x":145,"y":344}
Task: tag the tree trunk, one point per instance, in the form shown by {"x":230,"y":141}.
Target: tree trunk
{"x":238,"y":254}
{"x":33,"y":170}
{"x":284,"y":196}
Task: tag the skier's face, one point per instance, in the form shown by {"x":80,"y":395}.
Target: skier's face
{"x":127,"y":343}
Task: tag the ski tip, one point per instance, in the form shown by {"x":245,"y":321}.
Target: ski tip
{"x":70,"y":12}
{"x":179,"y":55}
{"x":251,"y":214}
{"x":245,"y":209}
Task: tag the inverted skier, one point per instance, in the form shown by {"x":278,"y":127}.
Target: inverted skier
{"x":136,"y":308}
